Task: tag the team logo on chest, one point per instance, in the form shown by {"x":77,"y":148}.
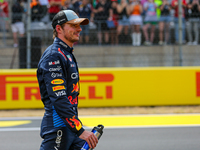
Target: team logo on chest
{"x":75,"y":87}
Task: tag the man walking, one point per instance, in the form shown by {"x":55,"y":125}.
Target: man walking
{"x":58,"y":79}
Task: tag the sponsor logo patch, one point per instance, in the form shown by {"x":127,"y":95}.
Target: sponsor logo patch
{"x":55,"y":69}
{"x":73,"y":101}
{"x":54,"y":75}
{"x":74,"y":75}
{"x":60,"y":93}
{"x":61,"y":43}
{"x":72,"y":65}
{"x":76,"y":122}
{"x":54,"y":62}
{"x":73,"y":122}
{"x":61,"y":20}
{"x":56,"y":88}
{"x":57,"y":81}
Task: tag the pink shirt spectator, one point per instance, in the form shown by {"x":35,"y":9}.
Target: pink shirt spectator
{"x":142,"y":2}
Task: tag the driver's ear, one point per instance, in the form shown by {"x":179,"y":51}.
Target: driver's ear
{"x":58,"y":28}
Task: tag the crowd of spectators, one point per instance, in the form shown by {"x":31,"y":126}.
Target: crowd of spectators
{"x":132,"y":18}
{"x":4,"y":13}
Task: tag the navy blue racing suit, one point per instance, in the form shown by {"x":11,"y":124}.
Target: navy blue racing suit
{"x":58,"y":79}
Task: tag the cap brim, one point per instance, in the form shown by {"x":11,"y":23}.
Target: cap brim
{"x":81,"y":21}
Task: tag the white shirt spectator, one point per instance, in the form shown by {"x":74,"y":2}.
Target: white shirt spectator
{"x":44,"y":2}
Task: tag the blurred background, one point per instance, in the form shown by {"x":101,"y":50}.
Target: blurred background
{"x":133,"y":33}
{"x":141,"y":53}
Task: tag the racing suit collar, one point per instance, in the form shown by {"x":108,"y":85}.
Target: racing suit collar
{"x":64,"y":45}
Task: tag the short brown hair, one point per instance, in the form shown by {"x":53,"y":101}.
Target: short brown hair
{"x":55,"y":33}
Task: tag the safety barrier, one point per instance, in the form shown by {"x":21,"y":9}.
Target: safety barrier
{"x":109,"y":87}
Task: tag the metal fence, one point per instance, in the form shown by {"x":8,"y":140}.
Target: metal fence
{"x":38,"y":36}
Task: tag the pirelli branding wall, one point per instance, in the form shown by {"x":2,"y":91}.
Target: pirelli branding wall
{"x":109,"y":87}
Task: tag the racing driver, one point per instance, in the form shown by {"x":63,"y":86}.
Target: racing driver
{"x":58,"y":79}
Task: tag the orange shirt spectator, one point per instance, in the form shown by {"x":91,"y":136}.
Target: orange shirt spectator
{"x":63,"y":2}
{"x":135,"y":19}
{"x":34,"y":3}
{"x":136,"y":10}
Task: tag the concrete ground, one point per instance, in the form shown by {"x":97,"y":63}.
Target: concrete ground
{"x":108,"y":111}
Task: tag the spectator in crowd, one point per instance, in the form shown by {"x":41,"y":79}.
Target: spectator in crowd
{"x":142,"y":3}
{"x":158,"y":11}
{"x":193,"y":21}
{"x":54,"y":8}
{"x":63,"y":2}
{"x":101,"y":12}
{"x":123,"y":22}
{"x":34,"y":3}
{"x":84,"y":11}
{"x":135,"y":11}
{"x":150,"y":20}
{"x":44,"y":4}
{"x":114,"y":22}
{"x":67,"y":6}
{"x":35,"y":10}
{"x":4,"y":13}
{"x":17,"y":25}
{"x":174,"y":5}
{"x":75,"y":4}
{"x":164,"y":21}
